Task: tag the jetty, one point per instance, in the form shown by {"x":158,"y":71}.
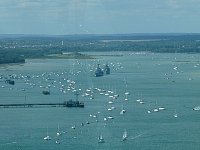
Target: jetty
{"x":31,"y":105}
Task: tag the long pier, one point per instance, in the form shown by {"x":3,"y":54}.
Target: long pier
{"x":69,"y":103}
{"x":33,"y":105}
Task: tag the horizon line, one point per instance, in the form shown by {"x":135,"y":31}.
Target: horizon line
{"x":103,"y":34}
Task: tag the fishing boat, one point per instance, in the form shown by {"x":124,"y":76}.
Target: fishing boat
{"x":101,"y":139}
{"x":124,"y":136}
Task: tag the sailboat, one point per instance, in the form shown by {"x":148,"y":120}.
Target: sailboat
{"x":124,"y":136}
{"x":149,"y":111}
{"x":101,"y":139}
{"x":126,"y":98}
{"x":139,"y":99}
{"x":47,"y":137}
{"x":175,"y":114}
{"x":57,"y":142}
{"x":58,"y":132}
{"x":126,"y":92}
{"x":122,"y":111}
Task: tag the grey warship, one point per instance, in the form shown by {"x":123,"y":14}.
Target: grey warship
{"x":99,"y":72}
{"x":107,"y":69}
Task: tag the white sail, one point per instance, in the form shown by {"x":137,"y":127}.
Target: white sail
{"x":47,"y":137}
{"x":122,"y":111}
{"x":124,"y":137}
{"x":58,"y":132}
{"x":101,"y":139}
{"x":175,"y":114}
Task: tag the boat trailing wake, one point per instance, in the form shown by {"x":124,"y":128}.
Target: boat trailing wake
{"x":8,"y":143}
{"x":137,"y":136}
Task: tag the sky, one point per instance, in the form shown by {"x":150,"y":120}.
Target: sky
{"x":63,"y":17}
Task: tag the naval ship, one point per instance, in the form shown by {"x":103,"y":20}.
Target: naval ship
{"x":99,"y":72}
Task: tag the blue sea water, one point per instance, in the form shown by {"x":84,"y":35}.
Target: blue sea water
{"x":159,"y":80}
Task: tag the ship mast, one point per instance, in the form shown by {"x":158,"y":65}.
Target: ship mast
{"x":76,"y":96}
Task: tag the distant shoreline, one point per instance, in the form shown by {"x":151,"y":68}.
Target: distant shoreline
{"x":17,"y":48}
{"x":65,"y":56}
{"x":76,"y":56}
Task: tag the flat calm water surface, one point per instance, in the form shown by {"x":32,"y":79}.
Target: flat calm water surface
{"x":149,"y":83}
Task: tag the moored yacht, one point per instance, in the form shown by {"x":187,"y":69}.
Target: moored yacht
{"x":47,"y":137}
{"x":101,"y":139}
{"x":175,"y":114}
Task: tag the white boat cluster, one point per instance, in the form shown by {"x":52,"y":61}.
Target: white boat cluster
{"x":64,"y":83}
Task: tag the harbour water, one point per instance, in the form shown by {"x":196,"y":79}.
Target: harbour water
{"x":148,"y":81}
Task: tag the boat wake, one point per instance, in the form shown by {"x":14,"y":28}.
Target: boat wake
{"x":8,"y":143}
{"x":137,"y":136}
